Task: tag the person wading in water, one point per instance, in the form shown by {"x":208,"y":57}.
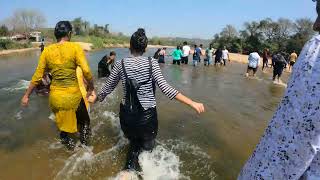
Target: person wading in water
{"x":66,"y":101}
{"x":138,"y":113}
{"x":106,"y":64}
{"x":290,"y":146}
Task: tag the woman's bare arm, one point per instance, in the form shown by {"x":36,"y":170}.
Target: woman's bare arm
{"x":25,"y":98}
{"x":196,"y":106}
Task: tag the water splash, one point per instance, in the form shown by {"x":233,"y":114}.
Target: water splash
{"x":21,"y":85}
{"x":160,"y":164}
{"x":18,"y":115}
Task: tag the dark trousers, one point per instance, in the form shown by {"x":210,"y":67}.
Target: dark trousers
{"x":224,"y":62}
{"x":277,"y":71}
{"x":83,"y":122}
{"x":141,"y":129}
{"x":265,"y":63}
{"x":176,"y":62}
{"x":185,"y":60}
{"x":161,"y":59}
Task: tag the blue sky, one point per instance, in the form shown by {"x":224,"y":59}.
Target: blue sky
{"x":182,"y":18}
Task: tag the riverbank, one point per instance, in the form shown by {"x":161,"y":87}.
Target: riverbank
{"x":85,"y":46}
{"x":241,"y":58}
{"x":13,"y":51}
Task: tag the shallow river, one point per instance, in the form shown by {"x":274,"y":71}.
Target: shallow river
{"x":214,"y":145}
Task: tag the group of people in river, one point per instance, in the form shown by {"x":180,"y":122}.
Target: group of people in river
{"x":180,"y":55}
{"x":139,"y":76}
{"x":279,"y":63}
{"x":289,"y":148}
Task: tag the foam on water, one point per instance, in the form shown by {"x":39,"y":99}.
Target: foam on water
{"x":18,"y":115}
{"x":280,"y":84}
{"x":52,"y":117}
{"x":21,"y":85}
{"x":160,"y":164}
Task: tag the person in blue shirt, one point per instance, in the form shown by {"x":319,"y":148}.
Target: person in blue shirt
{"x":196,"y":55}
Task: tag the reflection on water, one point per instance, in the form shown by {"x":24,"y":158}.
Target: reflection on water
{"x":213,"y":145}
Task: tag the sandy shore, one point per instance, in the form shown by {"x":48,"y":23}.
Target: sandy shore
{"x":11,"y":51}
{"x":241,"y":58}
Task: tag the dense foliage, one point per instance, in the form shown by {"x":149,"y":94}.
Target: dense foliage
{"x":281,"y":35}
{"x":9,"y":44}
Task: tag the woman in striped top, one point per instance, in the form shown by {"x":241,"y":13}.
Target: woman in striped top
{"x":138,"y":114}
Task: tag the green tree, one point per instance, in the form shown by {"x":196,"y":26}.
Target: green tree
{"x":77,"y":24}
{"x":4,"y":31}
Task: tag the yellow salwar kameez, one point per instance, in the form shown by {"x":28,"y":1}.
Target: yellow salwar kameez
{"x":62,"y":60}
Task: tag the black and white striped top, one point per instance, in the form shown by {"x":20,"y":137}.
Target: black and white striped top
{"x":138,"y":68}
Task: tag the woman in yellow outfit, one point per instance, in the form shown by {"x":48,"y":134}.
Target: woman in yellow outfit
{"x":66,"y":101}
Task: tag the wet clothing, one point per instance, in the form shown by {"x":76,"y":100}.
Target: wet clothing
{"x":140,"y":126}
{"x":218,"y":57}
{"x":162,"y":53}
{"x":209,"y":56}
{"x":279,"y":63}
{"x":43,"y":88}
{"x":104,"y":68}
{"x":176,"y":55}
{"x":290,"y":146}
{"x":293,"y":57}
{"x":61,"y":61}
{"x":254,"y":59}
{"x":225,"y":54}
{"x":197,"y":54}
{"x":138,"y":114}
{"x":265,"y":60}
{"x":83,"y":123}
{"x":156,"y":55}
{"x":186,"y":50}
{"x":138,"y":69}
{"x":252,"y":69}
{"x":178,"y":62}
{"x":184,"y":60}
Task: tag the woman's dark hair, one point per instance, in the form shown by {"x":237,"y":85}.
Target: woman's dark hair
{"x":113,"y":53}
{"x":139,"y":41}
{"x":62,"y":29}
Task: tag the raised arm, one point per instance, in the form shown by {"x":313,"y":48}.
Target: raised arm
{"x":171,"y":92}
{"x":36,"y":78}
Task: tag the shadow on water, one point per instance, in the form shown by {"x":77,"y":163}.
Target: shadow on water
{"x":213,"y":145}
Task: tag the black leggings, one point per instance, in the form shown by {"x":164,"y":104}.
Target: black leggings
{"x":141,"y":129}
{"x":277,"y":71}
{"x":265,"y":63}
{"x":176,"y":62}
{"x":83,"y":122}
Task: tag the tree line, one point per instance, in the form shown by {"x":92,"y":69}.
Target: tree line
{"x":282,"y":35}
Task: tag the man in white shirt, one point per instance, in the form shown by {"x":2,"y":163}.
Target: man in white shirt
{"x":225,"y":55}
{"x":186,"y":52}
{"x":253,"y":59}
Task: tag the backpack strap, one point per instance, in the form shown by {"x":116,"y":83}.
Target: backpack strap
{"x":150,"y":72}
{"x":124,"y":69}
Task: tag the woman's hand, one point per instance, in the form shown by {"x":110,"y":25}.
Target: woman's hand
{"x":25,"y":101}
{"x":92,"y":98}
{"x":196,"y":106}
{"x":199,"y":107}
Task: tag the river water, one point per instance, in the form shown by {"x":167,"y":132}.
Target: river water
{"x":214,"y":145}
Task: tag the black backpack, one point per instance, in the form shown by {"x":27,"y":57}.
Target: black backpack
{"x":132,"y":103}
